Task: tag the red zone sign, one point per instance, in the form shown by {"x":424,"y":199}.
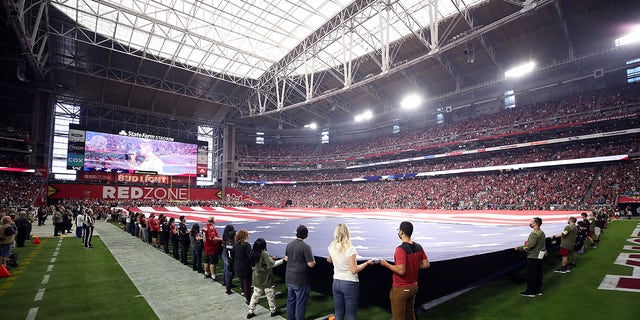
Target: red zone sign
{"x":87,"y":191}
{"x":626,"y":283}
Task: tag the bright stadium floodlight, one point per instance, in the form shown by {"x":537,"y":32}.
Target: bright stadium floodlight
{"x":411,"y":102}
{"x":364,"y":116}
{"x":519,"y":71}
{"x":629,"y":38}
{"x":311,"y":126}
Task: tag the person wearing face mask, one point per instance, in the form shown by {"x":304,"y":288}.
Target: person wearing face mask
{"x":567,"y":242}
{"x":536,"y":250}
{"x":409,"y":258}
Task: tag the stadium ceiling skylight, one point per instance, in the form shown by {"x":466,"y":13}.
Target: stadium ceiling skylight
{"x":632,"y":37}
{"x":411,"y":102}
{"x":237,"y":37}
{"x":367,"y":115}
{"x":520,"y":70}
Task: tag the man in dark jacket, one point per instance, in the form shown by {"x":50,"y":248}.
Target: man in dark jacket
{"x":24,"y":229}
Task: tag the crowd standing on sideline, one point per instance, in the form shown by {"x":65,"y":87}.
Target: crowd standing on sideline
{"x":575,"y":239}
{"x":254,"y":266}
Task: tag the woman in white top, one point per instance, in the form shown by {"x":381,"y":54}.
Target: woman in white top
{"x":346,"y":288}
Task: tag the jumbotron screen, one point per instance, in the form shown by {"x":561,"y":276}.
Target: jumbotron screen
{"x":133,"y":152}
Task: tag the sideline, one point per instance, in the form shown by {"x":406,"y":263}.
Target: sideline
{"x":172,"y":289}
{"x":18,"y":271}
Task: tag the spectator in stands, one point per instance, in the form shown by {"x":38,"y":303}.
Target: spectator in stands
{"x":409,"y":258}
{"x":299,"y":258}
{"x":567,"y":243}
{"x":346,"y":286}
{"x":536,"y":250}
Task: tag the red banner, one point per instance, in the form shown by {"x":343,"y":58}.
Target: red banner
{"x":129,"y":178}
{"x":96,"y":176}
{"x":628,"y":199}
{"x":142,"y":178}
{"x":183,"y":180}
{"x":88,"y":191}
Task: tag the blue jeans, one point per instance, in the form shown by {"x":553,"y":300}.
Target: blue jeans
{"x":197,"y":260}
{"x":346,"y":295}
{"x":225,"y":267}
{"x":297,"y":297}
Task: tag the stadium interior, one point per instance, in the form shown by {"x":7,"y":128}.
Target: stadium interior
{"x":380,"y":106}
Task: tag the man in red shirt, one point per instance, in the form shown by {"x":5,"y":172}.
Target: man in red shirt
{"x":154,"y":227}
{"x":409,"y":259}
{"x":212,"y":245}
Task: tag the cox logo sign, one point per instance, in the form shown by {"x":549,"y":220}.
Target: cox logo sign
{"x":75,"y":161}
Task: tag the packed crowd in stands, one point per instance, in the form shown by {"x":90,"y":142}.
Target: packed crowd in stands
{"x":554,"y":187}
{"x":19,"y":191}
{"x":574,"y":150}
{"x":615,"y":180}
{"x":15,"y":142}
{"x":544,"y":188}
{"x":449,"y":149}
{"x":557,"y":188}
{"x":567,"y":112}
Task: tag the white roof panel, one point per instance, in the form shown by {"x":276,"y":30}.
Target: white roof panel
{"x":239,"y":37}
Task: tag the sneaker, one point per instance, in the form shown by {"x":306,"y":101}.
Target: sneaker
{"x":250,"y":315}
{"x":568,"y":270}
{"x":539,"y":294}
{"x":276,"y":313}
{"x":206,"y":276}
{"x":528,"y":295}
{"x":228,"y":293}
{"x":560,"y":271}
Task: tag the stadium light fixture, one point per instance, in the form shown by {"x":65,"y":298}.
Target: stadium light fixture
{"x":364,"y":116}
{"x":519,"y":71}
{"x":632,"y":37}
{"x":311,"y":126}
{"x":411,"y":102}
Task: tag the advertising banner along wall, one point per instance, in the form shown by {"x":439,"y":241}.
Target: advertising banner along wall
{"x":112,"y":192}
